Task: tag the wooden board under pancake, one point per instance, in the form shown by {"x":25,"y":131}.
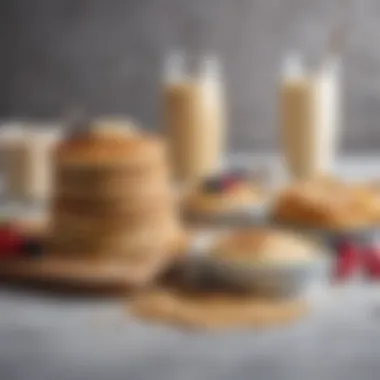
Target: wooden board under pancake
{"x":79,"y":274}
{"x":76,"y":273}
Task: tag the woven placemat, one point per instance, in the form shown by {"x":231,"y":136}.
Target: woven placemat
{"x":215,"y":311}
{"x":76,"y":272}
{"x":204,"y":302}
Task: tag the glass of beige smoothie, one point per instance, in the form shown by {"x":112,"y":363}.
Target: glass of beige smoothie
{"x":310,"y":117}
{"x":194,"y":116}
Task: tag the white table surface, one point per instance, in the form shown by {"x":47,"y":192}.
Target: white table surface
{"x":43,"y":338}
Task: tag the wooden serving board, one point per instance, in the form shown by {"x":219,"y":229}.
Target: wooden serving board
{"x":55,"y":272}
{"x":71,"y":273}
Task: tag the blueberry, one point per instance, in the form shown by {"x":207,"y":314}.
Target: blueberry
{"x":213,"y":185}
{"x":239,"y":173}
{"x":33,"y":248}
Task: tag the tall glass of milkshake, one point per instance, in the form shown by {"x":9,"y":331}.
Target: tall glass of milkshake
{"x":310,"y":117}
{"x":194,"y":116}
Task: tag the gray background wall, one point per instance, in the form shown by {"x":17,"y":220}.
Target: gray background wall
{"x":106,"y":55}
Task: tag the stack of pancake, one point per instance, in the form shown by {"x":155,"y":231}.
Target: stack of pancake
{"x":112,"y":196}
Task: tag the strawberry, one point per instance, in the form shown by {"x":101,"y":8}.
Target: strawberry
{"x":10,"y":242}
{"x":348,"y":260}
{"x":372,"y":262}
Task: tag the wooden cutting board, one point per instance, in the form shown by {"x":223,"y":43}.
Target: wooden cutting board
{"x":56,"y":272}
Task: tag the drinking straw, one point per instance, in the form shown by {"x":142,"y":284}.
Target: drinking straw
{"x":338,"y":35}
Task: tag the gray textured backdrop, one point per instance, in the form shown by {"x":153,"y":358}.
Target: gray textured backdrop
{"x":106,"y":55}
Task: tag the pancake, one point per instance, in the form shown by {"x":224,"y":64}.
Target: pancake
{"x":110,"y":207}
{"x":94,"y":150}
{"x":93,"y":174}
{"x":123,"y":244}
{"x":263,"y":245}
{"x":118,"y":189}
{"x":116,"y":222}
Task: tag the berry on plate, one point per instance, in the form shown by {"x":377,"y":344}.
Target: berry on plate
{"x":32,"y":247}
{"x":348,"y":260}
{"x":372,"y":261}
{"x":10,"y":241}
{"x":213,"y":185}
{"x":229,"y":182}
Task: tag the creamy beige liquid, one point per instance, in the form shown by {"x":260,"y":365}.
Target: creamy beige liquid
{"x":299,"y":125}
{"x":28,"y":166}
{"x":309,"y":124}
{"x":11,"y":143}
{"x":195,"y":127}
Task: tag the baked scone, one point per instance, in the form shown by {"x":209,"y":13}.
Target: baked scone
{"x":264,"y":246}
{"x":112,"y":195}
{"x":224,"y":194}
{"x":326,"y":204}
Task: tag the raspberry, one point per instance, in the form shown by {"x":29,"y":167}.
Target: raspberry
{"x":372,"y":262}
{"x":348,"y":260}
{"x":229,"y":182}
{"x":10,"y":242}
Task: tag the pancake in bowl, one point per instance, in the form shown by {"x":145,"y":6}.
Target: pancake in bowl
{"x":264,"y":246}
{"x":269,"y":262}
